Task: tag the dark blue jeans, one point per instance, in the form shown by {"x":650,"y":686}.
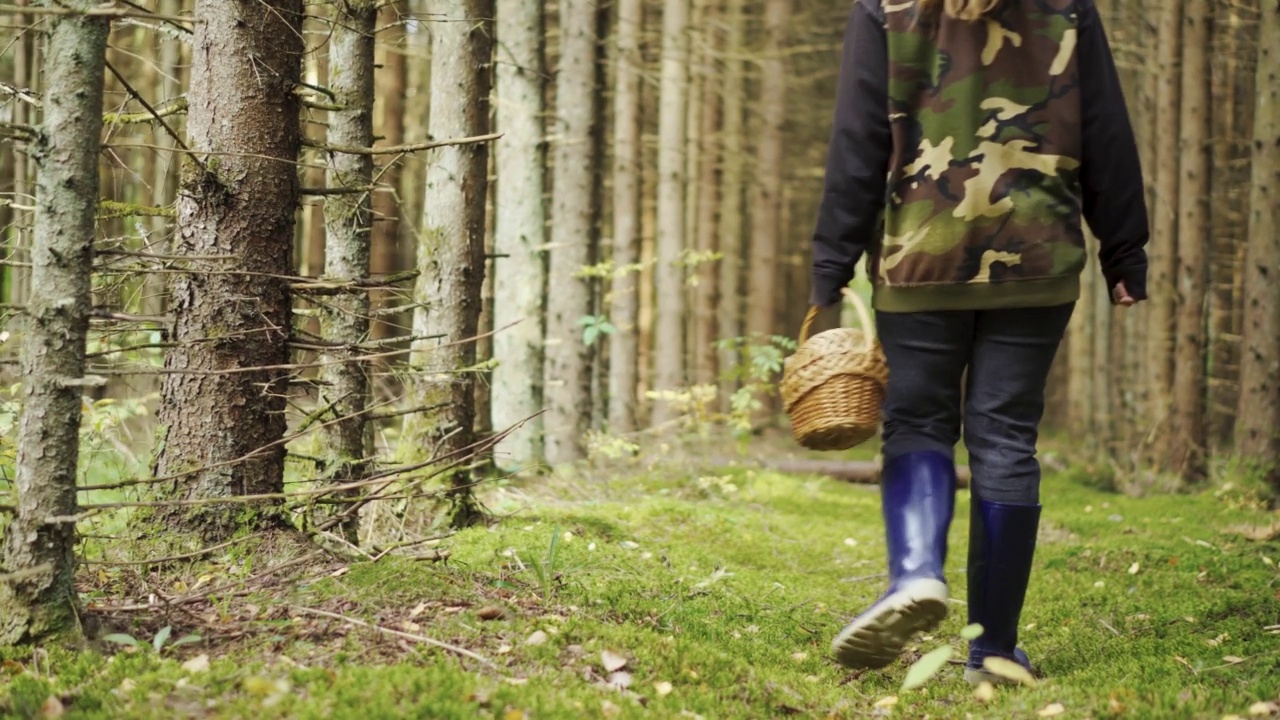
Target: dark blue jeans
{"x":1007,"y":353}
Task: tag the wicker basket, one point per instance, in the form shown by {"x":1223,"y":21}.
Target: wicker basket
{"x":833,"y":386}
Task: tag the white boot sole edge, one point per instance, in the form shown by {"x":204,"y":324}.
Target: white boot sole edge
{"x":877,"y":639}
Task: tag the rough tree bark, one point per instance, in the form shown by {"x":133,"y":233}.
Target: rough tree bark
{"x":1163,"y":248}
{"x":729,"y":306}
{"x":1258,"y":426}
{"x":568,"y":368}
{"x":1187,"y":446}
{"x":766,"y":210}
{"x":451,"y":248}
{"x":625,"y":300}
{"x":668,"y":354}
{"x":344,"y":320}
{"x":390,"y":79}
{"x":220,"y":420}
{"x":520,"y":231}
{"x":705,"y":295}
{"x":37,"y":590}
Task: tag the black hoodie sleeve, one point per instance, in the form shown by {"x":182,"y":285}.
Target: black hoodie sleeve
{"x":857,"y":158}
{"x":1114,"y":198}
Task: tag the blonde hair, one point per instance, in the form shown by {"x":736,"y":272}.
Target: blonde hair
{"x":958,"y":9}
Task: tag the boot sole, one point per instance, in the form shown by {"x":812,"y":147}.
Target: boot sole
{"x":876,"y":640}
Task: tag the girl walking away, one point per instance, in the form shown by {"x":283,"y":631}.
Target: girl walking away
{"x":972,"y":141}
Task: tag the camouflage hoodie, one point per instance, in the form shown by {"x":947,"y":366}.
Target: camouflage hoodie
{"x":966,"y":154}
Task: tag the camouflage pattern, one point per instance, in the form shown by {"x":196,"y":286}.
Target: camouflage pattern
{"x":984,"y":175}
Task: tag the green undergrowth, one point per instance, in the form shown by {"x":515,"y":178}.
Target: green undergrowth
{"x":712,"y":596}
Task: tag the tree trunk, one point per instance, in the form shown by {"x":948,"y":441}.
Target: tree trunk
{"x":1163,"y":246}
{"x":37,"y":589}
{"x":1188,"y":450}
{"x":729,"y":306}
{"x":568,"y":368}
{"x":520,"y":227}
{"x":668,"y":353}
{"x":1225,"y":220}
{"x":344,"y":320}
{"x":221,"y":422}
{"x":1080,"y":346}
{"x":451,"y":249}
{"x":390,"y":79}
{"x":1258,"y":427}
{"x":705,"y":294}
{"x":762,"y":303}
{"x":624,"y":306}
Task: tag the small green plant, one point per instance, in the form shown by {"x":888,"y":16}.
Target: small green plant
{"x":158,"y":643}
{"x":594,"y":327}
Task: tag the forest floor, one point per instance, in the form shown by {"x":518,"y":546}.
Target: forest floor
{"x":670,"y":593}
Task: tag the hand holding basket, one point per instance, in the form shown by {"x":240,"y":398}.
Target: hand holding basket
{"x":833,"y":387}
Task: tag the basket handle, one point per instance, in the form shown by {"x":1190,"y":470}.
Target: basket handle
{"x":864,"y":318}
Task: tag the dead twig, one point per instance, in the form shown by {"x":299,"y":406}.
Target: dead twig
{"x":408,"y":636}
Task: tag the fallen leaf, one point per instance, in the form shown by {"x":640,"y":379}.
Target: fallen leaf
{"x":985,"y":692}
{"x":339,"y":572}
{"x":612,"y":661}
{"x":1232,"y":659}
{"x":127,"y":684}
{"x":620,"y":679}
{"x":197,"y":664}
{"x":52,"y":708}
{"x":662,"y":688}
{"x":926,"y":667}
{"x":888,"y":701}
{"x":1116,"y":707}
{"x":628,"y":545}
{"x":1008,"y":669}
{"x":513,"y":714}
{"x":800,"y":656}
{"x":537,"y":638}
{"x":1099,"y":584}
{"x":850,"y":542}
{"x":1134,"y":568}
{"x":1232,"y":717}
{"x":575,"y":650}
{"x":609,"y":709}
{"x":1259,"y":709}
{"x":418,"y":610}
{"x":1051,"y":710}
{"x":490,"y":612}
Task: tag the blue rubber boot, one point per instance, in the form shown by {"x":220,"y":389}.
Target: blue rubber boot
{"x":918,"y":492}
{"x":1002,"y":544}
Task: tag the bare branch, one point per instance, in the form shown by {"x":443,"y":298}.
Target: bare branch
{"x":401,"y":149}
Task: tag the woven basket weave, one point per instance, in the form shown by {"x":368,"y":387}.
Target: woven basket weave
{"x":833,"y":386}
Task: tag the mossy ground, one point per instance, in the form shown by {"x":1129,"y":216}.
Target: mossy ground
{"x":724,"y":590}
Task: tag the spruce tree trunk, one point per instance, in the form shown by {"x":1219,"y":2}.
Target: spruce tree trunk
{"x":1258,"y":426}
{"x":37,"y":590}
{"x":238,"y":201}
{"x":729,"y":305}
{"x":668,"y":352}
{"x":1188,"y":449}
{"x":1225,"y":219}
{"x":390,"y":80}
{"x":762,"y":303}
{"x":451,"y":248}
{"x":568,"y":365}
{"x":344,"y":320}
{"x":705,"y":295}
{"x":520,"y":231}
{"x":625,"y":300}
{"x":1163,"y":247}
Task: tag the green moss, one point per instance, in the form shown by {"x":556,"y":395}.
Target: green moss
{"x":729,"y":589}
